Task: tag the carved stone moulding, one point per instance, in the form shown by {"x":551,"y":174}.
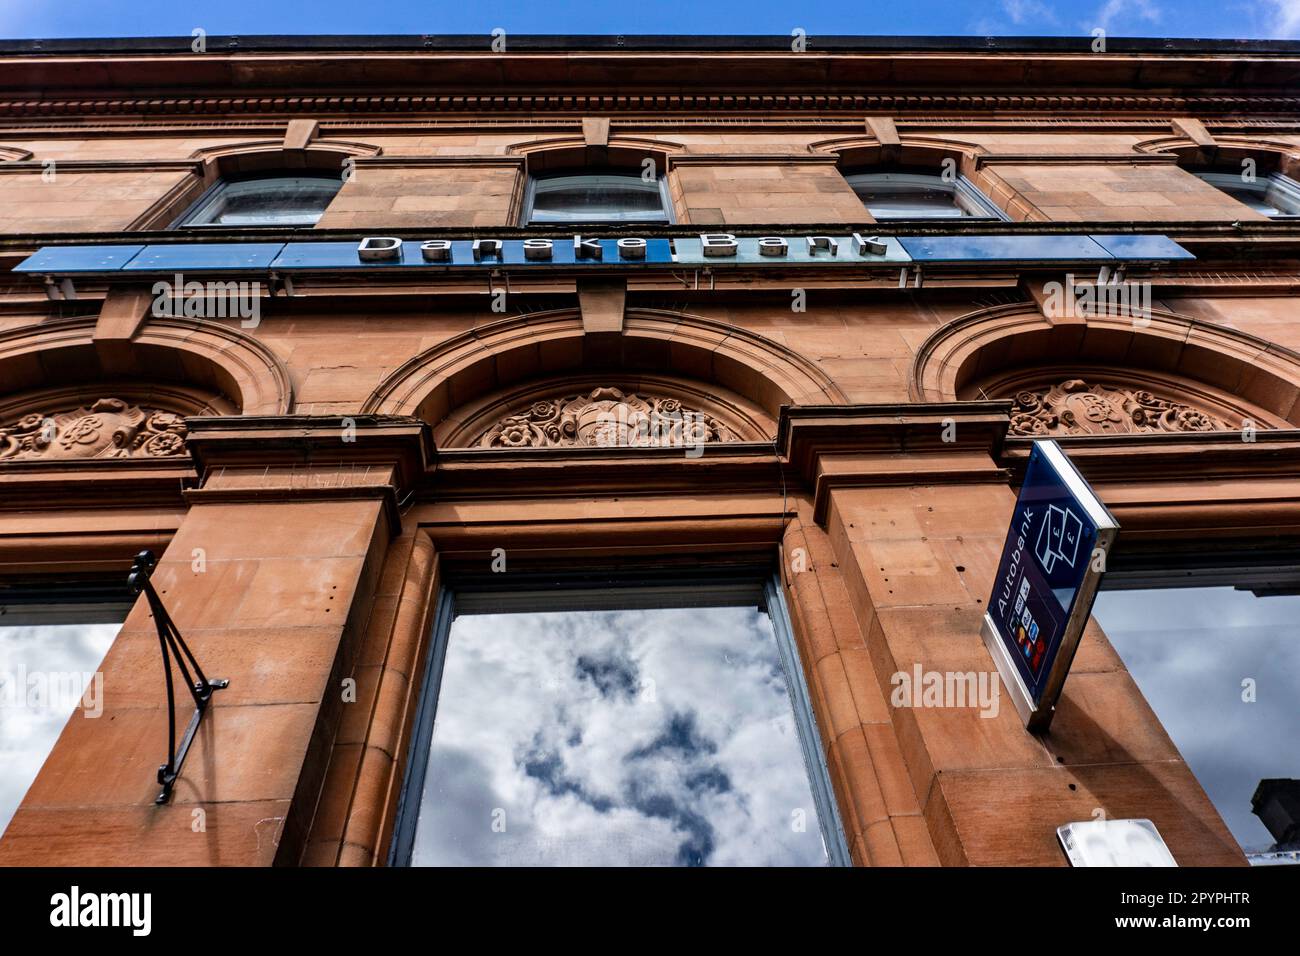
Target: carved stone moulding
{"x":106,"y":428}
{"x":610,"y":409}
{"x":1098,"y":402}
{"x":114,"y":420}
{"x":1077,"y":407}
{"x":605,"y":417}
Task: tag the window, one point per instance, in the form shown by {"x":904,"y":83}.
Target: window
{"x":620,"y":726}
{"x":294,"y":198}
{"x":1220,"y":664}
{"x":903,"y":195}
{"x":609,"y":196}
{"x":49,"y":659}
{"x":1275,"y":195}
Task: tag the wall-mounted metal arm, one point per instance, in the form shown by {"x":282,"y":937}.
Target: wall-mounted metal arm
{"x":172,"y":645}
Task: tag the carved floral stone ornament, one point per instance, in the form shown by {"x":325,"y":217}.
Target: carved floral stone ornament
{"x":1075,"y":407}
{"x":108,"y":428}
{"x":605,"y":418}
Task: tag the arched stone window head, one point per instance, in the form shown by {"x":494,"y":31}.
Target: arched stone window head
{"x":1262,"y":175}
{"x":1172,"y":375}
{"x":913,"y":177}
{"x":471,"y":382}
{"x":572,"y":181}
{"x":605,"y":417}
{"x":258,"y":184}
{"x":64,"y":398}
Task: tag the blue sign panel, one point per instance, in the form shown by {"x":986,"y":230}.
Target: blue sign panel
{"x":1154,"y":248}
{"x":1005,"y":249}
{"x":208,"y":257}
{"x":1046,"y":580}
{"x":73,"y":260}
{"x":711,"y":249}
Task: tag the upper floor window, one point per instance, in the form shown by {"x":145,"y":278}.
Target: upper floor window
{"x":296,"y":198}
{"x":1273,"y":195}
{"x":919,"y":195}
{"x":606,"y":196}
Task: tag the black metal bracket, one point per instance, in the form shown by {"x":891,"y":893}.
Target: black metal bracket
{"x":173,"y":645}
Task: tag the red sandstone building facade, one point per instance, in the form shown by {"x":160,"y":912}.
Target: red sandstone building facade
{"x":322,"y":473}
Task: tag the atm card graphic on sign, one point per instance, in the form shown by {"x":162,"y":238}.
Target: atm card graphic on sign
{"x":1058,"y":538}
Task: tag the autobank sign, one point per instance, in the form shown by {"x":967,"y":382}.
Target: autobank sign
{"x":718,"y":249}
{"x":1051,"y":564}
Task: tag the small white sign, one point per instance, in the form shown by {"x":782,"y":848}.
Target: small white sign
{"x":1114,"y":843}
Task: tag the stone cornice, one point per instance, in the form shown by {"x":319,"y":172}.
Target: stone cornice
{"x":601,"y":76}
{"x":297,"y":457}
{"x":105,"y":166}
{"x":752,"y":159}
{"x":1075,"y":159}
{"x":1272,"y":454}
{"x":739,"y":467}
{"x":454,"y":66}
{"x":833,"y":446}
{"x":536,"y":105}
{"x":642,"y":123}
{"x":426,"y":162}
{"x":90,"y":483}
{"x":1200,"y":487}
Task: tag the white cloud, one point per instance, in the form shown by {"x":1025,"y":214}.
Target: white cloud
{"x":1019,"y":13}
{"x":1022,"y":11}
{"x":1116,"y":15}
{"x":1286,"y":26}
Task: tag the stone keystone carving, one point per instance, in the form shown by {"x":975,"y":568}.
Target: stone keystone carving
{"x":1077,"y":408}
{"x":605,"y":418}
{"x":109,"y":428}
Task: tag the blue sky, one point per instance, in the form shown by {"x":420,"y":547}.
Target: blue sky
{"x":1181,"y":18}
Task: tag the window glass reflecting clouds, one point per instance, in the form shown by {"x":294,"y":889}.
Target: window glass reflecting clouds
{"x":44,"y":671}
{"x":1189,"y":649}
{"x":920,"y":196}
{"x":649,"y":737}
{"x":597,"y":198}
{"x":1275,"y":196}
{"x":272,"y":200}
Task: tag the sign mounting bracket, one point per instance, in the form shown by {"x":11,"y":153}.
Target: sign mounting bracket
{"x":172,"y":645}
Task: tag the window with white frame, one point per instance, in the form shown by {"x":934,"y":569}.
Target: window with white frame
{"x":920,"y":195}
{"x":1273,"y":195}
{"x":282,"y":198}
{"x":596,"y":196}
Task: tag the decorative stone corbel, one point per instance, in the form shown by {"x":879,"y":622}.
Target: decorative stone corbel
{"x":886,"y":134}
{"x":602,"y":302}
{"x":1194,"y":130}
{"x":124,"y":312}
{"x":299,"y":133}
{"x":595,"y":130}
